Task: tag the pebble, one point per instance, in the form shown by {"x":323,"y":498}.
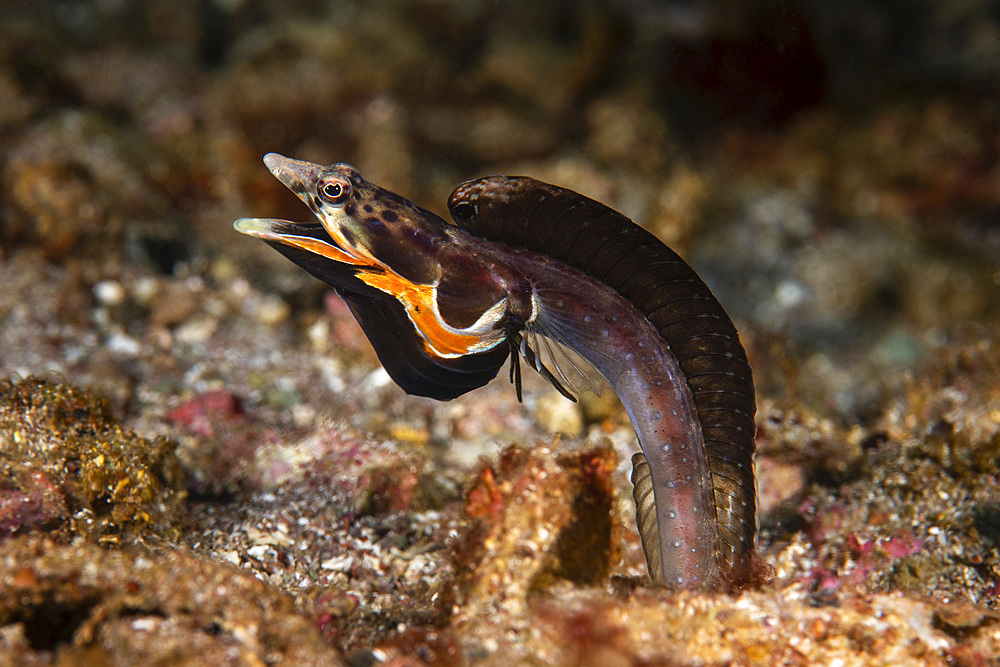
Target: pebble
{"x":145,"y":289}
{"x":558,"y":415}
{"x":271,"y":310}
{"x":196,"y":330}
{"x":124,"y":344}
{"x":109,"y":293}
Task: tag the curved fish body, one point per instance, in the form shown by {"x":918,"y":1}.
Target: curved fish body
{"x":531,"y":270}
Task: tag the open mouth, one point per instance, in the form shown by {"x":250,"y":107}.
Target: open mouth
{"x":308,"y":236}
{"x":298,"y":176}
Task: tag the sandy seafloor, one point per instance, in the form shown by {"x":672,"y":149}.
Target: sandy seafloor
{"x":202,"y":462}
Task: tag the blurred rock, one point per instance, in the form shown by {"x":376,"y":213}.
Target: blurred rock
{"x":68,"y":465}
{"x":138,"y":606}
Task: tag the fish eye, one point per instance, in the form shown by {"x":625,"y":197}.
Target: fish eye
{"x":335,"y":191}
{"x":463,"y":210}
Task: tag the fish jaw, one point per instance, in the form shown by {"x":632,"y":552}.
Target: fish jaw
{"x":311,"y":237}
{"x":298,"y":176}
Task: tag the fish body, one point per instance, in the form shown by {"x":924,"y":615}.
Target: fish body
{"x":542,"y":273}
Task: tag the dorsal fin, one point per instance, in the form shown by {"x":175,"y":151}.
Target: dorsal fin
{"x":583,"y":233}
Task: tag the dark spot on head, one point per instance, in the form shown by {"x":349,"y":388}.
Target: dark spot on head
{"x":389,"y":216}
{"x":349,"y":209}
{"x":372,"y":221}
{"x":463,"y":210}
{"x":368,"y":208}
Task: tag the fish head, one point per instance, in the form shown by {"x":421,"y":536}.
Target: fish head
{"x":434,"y":314}
{"x":358,"y":225}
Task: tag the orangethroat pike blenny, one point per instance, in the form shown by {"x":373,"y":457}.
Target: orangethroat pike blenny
{"x":535,"y":271}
